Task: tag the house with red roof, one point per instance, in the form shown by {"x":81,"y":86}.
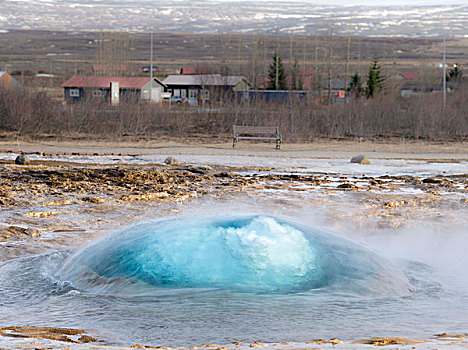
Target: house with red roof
{"x":193,"y":70}
{"x":7,"y":82}
{"x":407,"y":76}
{"x":306,"y":77}
{"x":79,"y":88}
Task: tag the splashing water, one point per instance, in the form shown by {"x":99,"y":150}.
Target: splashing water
{"x":254,"y":253}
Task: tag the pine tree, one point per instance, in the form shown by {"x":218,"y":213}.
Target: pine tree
{"x":276,"y":74}
{"x":375,"y":79}
{"x":355,"y":85}
{"x":455,"y":74}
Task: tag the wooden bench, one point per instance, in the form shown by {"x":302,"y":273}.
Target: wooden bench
{"x":248,"y":133}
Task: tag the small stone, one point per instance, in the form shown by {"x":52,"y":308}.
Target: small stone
{"x":431,"y":180}
{"x":360,"y":159}
{"x":87,"y":339}
{"x":90,"y":199}
{"x":171,"y":161}
{"x":346,"y":186}
{"x":22,"y":160}
{"x":198,"y":169}
{"x":257,"y":345}
{"x":16,"y":232}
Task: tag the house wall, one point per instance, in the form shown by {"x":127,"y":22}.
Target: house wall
{"x":157,"y":92}
{"x":194,"y":94}
{"x":73,"y":94}
{"x":8,"y":82}
{"x":190,"y":93}
{"x":76,"y":94}
{"x":241,"y":86}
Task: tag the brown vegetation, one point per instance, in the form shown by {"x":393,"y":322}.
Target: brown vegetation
{"x":385,"y":116}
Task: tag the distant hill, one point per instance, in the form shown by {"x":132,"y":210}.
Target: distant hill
{"x":203,"y":16}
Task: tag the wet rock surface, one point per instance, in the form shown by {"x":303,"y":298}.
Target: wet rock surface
{"x":72,"y":202}
{"x":51,"y":333}
{"x":38,"y":195}
{"x":383,"y":341}
{"x":16,"y":232}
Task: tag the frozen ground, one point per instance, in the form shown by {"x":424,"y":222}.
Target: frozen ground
{"x":279,"y":163}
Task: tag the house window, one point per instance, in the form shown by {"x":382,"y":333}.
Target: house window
{"x":74,"y":92}
{"x":193,"y":94}
{"x":205,"y":95}
{"x":177,"y":92}
{"x":97,"y":93}
{"x":145,"y":95}
{"x":183,"y":93}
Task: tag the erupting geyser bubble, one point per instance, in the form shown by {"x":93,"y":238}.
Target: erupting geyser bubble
{"x":255,"y":253}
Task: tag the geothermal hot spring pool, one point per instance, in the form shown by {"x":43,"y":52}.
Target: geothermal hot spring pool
{"x":192,"y":280}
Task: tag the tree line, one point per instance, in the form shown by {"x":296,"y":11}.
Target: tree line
{"x":375,"y":80}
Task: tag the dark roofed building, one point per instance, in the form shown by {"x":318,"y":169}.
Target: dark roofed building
{"x":78,"y":88}
{"x":409,"y":89}
{"x":204,"y":88}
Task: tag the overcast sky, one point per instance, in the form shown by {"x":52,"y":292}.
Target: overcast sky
{"x":379,"y":2}
{"x":390,"y":2}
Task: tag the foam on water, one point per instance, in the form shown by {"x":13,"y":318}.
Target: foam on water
{"x":253,"y":253}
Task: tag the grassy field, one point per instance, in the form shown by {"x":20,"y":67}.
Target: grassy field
{"x":66,"y":53}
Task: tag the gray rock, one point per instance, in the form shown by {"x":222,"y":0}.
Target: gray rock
{"x":171,"y":161}
{"x":360,"y":159}
{"x":198,"y":169}
{"x":22,"y":160}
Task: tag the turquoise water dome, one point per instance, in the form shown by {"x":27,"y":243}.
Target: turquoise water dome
{"x":252,"y":253}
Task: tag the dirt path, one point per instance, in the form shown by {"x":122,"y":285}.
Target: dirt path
{"x":317,"y":149}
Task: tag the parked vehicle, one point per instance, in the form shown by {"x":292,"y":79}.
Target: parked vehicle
{"x":175,"y":100}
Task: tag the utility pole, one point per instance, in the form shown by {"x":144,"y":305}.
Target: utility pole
{"x":347,"y":62}
{"x":277,"y":63}
{"x":265,"y":47}
{"x":293,"y":83}
{"x":393,"y":67}
{"x":277,"y":71}
{"x":330,"y":60}
{"x":151,"y":69}
{"x":445,"y":76}
{"x":316,"y":67}
{"x":304,"y":62}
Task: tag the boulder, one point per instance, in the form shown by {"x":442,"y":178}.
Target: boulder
{"x":360,"y":159}
{"x":171,"y":161}
{"x":22,"y":160}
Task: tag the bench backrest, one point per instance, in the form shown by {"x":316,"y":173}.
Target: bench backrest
{"x":255,"y":129}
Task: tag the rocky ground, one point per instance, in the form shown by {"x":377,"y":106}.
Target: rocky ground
{"x":40,"y":196}
{"x":50,"y":205}
{"x":68,"y":338}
